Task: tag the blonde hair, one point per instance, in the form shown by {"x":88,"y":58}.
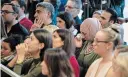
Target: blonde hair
{"x":113,"y":34}
{"x":122,"y":60}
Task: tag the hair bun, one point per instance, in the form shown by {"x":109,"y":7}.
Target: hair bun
{"x":115,"y":28}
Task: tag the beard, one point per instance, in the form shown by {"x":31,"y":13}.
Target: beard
{"x":106,"y":25}
{"x":7,"y":22}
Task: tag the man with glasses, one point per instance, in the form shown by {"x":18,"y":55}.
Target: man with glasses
{"x":74,"y":7}
{"x":23,"y":20}
{"x":9,"y":13}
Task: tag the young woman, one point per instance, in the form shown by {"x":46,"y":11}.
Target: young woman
{"x":9,"y":44}
{"x":104,"y":44}
{"x":35,"y":44}
{"x":8,"y":48}
{"x":56,"y":63}
{"x":120,"y":61}
{"x":63,"y":38}
{"x":66,"y":21}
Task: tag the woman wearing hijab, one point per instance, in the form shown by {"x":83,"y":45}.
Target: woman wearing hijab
{"x":85,"y":53}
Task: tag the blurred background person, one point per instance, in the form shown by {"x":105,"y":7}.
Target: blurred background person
{"x":66,"y":21}
{"x":8,"y":48}
{"x":120,"y":61}
{"x":97,"y":14}
{"x":23,"y":20}
{"x":12,"y":26}
{"x":74,"y":7}
{"x":56,"y":4}
{"x":56,"y":64}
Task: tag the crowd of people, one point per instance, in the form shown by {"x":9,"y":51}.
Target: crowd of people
{"x":47,"y":38}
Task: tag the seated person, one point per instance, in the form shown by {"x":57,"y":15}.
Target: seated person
{"x":97,"y":14}
{"x":63,"y":38}
{"x":35,"y":44}
{"x":66,"y":21}
{"x":9,"y":48}
{"x":56,"y":63}
{"x":12,"y":26}
{"x":120,"y":61}
{"x":104,"y":44}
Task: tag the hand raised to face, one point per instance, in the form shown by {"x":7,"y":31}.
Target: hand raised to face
{"x":37,"y":24}
{"x":21,"y":50}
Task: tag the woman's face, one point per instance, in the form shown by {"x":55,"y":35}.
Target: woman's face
{"x":44,"y":68}
{"x":57,"y":41}
{"x":6,"y":50}
{"x":84,"y":35}
{"x":100,"y":43}
{"x":33,"y":44}
{"x":60,"y":23}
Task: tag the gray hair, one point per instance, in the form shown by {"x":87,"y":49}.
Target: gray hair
{"x":47,"y":6}
{"x":78,"y":3}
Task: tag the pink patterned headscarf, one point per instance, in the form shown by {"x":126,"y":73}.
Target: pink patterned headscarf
{"x":90,"y":27}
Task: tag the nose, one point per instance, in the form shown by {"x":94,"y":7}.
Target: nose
{"x":35,"y":15}
{"x":27,"y":41}
{"x":94,"y":43}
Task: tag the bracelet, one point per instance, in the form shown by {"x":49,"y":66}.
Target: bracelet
{"x":19,"y":61}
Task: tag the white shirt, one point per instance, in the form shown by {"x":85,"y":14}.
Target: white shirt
{"x":125,"y":26}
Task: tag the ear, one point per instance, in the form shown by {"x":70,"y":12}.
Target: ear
{"x":41,"y":45}
{"x":49,"y":14}
{"x":110,"y":45}
{"x":16,"y":15}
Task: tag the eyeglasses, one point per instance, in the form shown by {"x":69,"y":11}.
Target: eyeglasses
{"x":6,"y":12}
{"x":97,"y":41}
{"x":70,"y":7}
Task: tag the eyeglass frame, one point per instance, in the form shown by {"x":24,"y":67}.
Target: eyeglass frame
{"x":6,"y":12}
{"x":70,"y":7}
{"x":96,"y":41}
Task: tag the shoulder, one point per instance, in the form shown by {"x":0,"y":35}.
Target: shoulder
{"x":51,"y":28}
{"x":73,"y":59}
{"x":96,"y":62}
{"x":28,"y":61}
{"x":93,"y":67}
{"x":111,"y":73}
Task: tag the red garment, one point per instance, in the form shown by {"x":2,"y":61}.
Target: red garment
{"x":26,"y":23}
{"x":75,"y":66}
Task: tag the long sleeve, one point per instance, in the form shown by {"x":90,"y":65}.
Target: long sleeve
{"x":30,"y":68}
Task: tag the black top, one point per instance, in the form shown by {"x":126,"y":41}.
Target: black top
{"x":18,"y":29}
